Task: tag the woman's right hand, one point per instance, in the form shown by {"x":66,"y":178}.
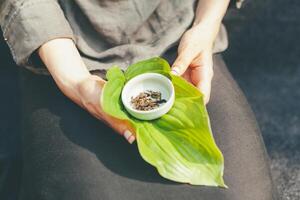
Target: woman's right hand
{"x":65,"y":65}
{"x":90,"y":91}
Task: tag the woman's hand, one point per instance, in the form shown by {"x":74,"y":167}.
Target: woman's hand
{"x":194,"y":61}
{"x":72,"y":77}
{"x":89,"y":92}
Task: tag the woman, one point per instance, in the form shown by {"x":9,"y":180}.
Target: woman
{"x":67,"y":154}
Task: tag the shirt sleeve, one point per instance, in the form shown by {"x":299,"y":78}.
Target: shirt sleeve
{"x":27,"y":24}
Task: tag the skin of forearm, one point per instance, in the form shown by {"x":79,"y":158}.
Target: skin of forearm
{"x":210,"y":13}
{"x":64,"y":63}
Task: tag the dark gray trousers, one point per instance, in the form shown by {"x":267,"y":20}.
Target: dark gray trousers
{"x":69,"y":155}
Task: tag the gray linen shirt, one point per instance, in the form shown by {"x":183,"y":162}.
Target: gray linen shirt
{"x":106,"y":32}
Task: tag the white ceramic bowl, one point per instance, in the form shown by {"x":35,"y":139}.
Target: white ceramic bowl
{"x":142,"y":83}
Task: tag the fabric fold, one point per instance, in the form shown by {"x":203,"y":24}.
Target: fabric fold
{"x":29,"y":24}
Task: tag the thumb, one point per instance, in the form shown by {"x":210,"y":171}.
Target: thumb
{"x":181,"y":63}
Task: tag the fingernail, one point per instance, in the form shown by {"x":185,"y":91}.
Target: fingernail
{"x":174,"y":71}
{"x":131,"y":139}
{"x":127,"y":134}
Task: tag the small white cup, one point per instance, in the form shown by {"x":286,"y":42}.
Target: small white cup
{"x":142,"y":83}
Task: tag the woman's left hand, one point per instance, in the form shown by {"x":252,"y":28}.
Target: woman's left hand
{"x":194,"y":61}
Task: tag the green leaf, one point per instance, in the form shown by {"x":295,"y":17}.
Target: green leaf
{"x":180,"y":144}
{"x":110,"y":100}
{"x":155,"y":65}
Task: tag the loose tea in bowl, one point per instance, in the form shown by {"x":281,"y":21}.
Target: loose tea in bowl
{"x":148,"y":96}
{"x":147,"y":100}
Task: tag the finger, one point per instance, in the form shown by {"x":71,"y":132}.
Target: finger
{"x":187,"y":75}
{"x":126,"y":131}
{"x":123,"y":128}
{"x":202,"y":77}
{"x":205,"y":87}
{"x":129,"y":136}
{"x":182,"y":62}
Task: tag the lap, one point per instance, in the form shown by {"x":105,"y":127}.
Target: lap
{"x":70,"y":155}
{"x":237,"y":134}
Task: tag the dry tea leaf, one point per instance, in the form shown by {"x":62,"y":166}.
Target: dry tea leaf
{"x":147,"y":100}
